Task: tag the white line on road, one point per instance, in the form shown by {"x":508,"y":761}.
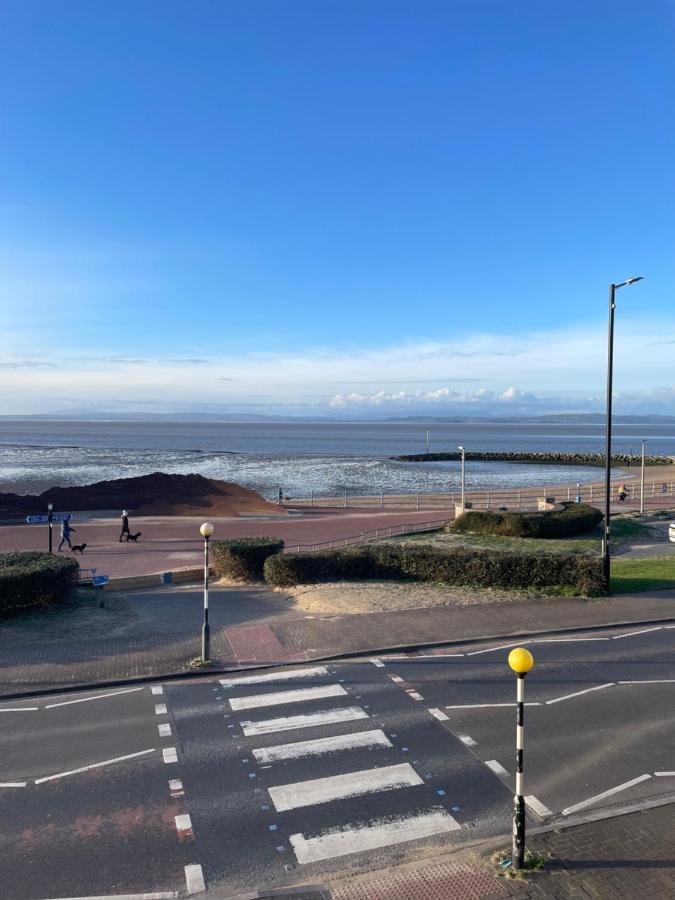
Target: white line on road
{"x":175,"y":784}
{"x":537,"y":806}
{"x":501,"y":647}
{"x":439,"y":714}
{"x":599,"y":687}
{"x":300,"y":695}
{"x":183,"y":822}
{"x":618,"y":637}
{"x":496,"y":767}
{"x":160,"y":709}
{"x":665,"y":774}
{"x":414,"y":695}
{"x":164,"y":730}
{"x":275,"y":676}
{"x":655,"y":681}
{"x":596,"y":797}
{"x":169,"y":754}
{"x":106,"y":762}
{"x":194,"y":879}
{"x":396,"y":678}
{"x":19,"y":709}
{"x":17,"y":783}
{"x":382,"y":833}
{"x":567,"y":640}
{"x":162,"y":895}
{"x":157,"y":689}
{"x":97,"y":697}
{"x":300,"y":749}
{"x":288,"y":723}
{"x":337,"y":787}
{"x":467,"y":739}
{"x":488,"y":705}
{"x":377,"y":663}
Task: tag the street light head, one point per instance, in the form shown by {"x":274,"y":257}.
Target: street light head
{"x":461,"y":449}
{"x":521,"y":660}
{"x":206,"y":530}
{"x":50,"y":506}
{"x":632,"y":280}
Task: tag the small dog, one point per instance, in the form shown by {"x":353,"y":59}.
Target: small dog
{"x":79,"y":548}
{"x":134,"y":537}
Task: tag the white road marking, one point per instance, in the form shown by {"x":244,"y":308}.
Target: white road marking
{"x":382,"y":833}
{"x":106,"y":762}
{"x":655,"y":681}
{"x":175,"y":784}
{"x":377,"y":663}
{"x":301,"y":749}
{"x":300,"y":695}
{"x":164,"y":730}
{"x":537,"y":806}
{"x":336,"y":787}
{"x":183,"y":823}
{"x":467,"y":739}
{"x":596,"y":797}
{"x":665,"y":774}
{"x":313,"y":671}
{"x":162,"y":895}
{"x":617,"y":637}
{"x":501,"y":647}
{"x":599,"y":687}
{"x":488,"y":705}
{"x":170,"y":755}
{"x":194,"y":879}
{"x":414,"y":695}
{"x":97,"y":697}
{"x":396,"y":678}
{"x":17,"y":783}
{"x":439,"y":714}
{"x":19,"y":709}
{"x":567,"y":640}
{"x":496,"y":767}
{"x":288,"y":723}
{"x":157,"y":689}
{"x":160,"y":709}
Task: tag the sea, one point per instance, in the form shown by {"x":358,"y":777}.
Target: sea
{"x":326,"y":458}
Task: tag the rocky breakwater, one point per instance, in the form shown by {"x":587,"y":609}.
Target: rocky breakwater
{"x":557,"y":459}
{"x":158,"y":494}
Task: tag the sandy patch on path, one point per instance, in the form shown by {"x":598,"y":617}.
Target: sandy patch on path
{"x":346,"y":597}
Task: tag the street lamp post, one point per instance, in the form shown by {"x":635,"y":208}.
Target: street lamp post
{"x":206,"y":531}
{"x":521,"y":661}
{"x":50,"y":519}
{"x":642,"y":481}
{"x":608,"y":423}
{"x":463,"y":452}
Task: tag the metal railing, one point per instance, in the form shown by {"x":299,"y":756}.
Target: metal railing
{"x":364,"y":537}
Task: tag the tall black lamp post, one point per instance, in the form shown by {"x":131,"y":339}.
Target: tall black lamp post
{"x":608,"y":423}
{"x":50,"y":519}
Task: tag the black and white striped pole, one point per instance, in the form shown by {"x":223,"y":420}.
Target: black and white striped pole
{"x":206,"y":531}
{"x":521,"y":661}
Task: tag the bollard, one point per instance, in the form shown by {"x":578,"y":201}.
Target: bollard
{"x":520,"y":661}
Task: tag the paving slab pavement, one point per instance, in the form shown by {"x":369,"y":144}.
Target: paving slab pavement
{"x":158,"y":632}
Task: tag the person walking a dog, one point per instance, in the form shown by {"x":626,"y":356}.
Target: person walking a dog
{"x":66,"y":530}
{"x":125,"y":526}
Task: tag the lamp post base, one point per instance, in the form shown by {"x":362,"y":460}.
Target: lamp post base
{"x":518,"y":853}
{"x":206,"y":643}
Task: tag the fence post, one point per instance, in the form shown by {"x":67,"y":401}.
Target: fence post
{"x":345,"y":498}
{"x":488,"y":499}
{"x":653,"y":486}
{"x":417,"y":501}
{"x":568,"y":494}
{"x":381,"y":499}
{"x":591,"y":493}
{"x":311,"y":498}
{"x":519,"y":499}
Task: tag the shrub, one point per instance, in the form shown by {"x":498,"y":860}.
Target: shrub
{"x":34,"y":579}
{"x":572,"y":519}
{"x":242,"y":559}
{"x":460,"y":566}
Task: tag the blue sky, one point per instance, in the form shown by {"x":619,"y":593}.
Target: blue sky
{"x":341,"y":207}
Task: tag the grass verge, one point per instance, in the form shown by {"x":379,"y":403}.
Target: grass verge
{"x":652,"y":573}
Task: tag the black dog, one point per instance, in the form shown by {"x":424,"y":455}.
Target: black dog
{"x":134,"y":537}
{"x":78,"y":548}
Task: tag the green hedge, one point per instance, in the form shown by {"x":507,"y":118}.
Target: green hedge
{"x":242,"y":559}
{"x":460,"y":566}
{"x":571,"y":520}
{"x":34,"y":579}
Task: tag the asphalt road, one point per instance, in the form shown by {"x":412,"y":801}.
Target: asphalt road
{"x":294,"y":776}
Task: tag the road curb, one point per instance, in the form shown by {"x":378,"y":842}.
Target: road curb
{"x":215,"y":669}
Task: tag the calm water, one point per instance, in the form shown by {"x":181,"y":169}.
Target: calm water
{"x":299,"y":457}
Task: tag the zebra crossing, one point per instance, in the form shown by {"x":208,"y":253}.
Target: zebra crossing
{"x":337,"y":780}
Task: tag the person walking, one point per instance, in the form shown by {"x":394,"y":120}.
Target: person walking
{"x":125,"y":526}
{"x":66,"y":530}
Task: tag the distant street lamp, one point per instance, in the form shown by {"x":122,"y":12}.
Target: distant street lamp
{"x":463,"y":452}
{"x":521,"y":661}
{"x":642,"y":481}
{"x":608,"y":423}
{"x":206,"y":531}
{"x":50,"y":519}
